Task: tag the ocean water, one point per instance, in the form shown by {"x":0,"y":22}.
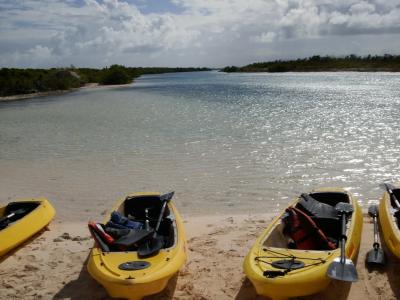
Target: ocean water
{"x":225,"y":143}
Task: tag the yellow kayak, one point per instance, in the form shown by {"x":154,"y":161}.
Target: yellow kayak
{"x":127,"y":274}
{"x":22,"y":219}
{"x":388,"y":222}
{"x":287,"y":261}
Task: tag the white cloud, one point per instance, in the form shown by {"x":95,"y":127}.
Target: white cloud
{"x":265,"y":37}
{"x":362,"y":8}
{"x":207,"y":32}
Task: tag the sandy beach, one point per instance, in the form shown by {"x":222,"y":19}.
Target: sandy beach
{"x":59,"y":92}
{"x":52,"y":265}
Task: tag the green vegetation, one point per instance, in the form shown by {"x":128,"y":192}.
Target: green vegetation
{"x":25,"y":81}
{"x":115,"y":75}
{"x":318,"y":63}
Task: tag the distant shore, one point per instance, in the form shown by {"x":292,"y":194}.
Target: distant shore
{"x":266,"y":70}
{"x":18,"y":84}
{"x":316,"y":63}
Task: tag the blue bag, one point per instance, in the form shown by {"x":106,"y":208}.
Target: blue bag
{"x":119,"y":221}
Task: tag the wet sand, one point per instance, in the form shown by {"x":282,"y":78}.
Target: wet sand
{"x":53,"y":264}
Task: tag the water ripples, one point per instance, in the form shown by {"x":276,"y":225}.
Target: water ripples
{"x":224,"y":142}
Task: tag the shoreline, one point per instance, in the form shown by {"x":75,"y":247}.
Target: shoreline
{"x":59,"y":92}
{"x":98,"y":86}
{"x":53,"y":264}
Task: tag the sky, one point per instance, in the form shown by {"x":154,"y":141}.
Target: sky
{"x":212,"y":33}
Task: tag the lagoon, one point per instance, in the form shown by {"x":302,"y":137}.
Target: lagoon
{"x":231,"y":143}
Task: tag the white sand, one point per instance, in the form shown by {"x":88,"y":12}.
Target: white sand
{"x":53,"y":267}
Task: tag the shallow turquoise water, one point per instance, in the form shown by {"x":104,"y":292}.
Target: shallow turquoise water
{"x":229,"y":143}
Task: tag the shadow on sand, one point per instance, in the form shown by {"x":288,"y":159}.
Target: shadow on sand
{"x":335,"y":291}
{"x":247,"y":292}
{"x":85,"y":287}
{"x":392,"y":270}
{"x":28,"y":242}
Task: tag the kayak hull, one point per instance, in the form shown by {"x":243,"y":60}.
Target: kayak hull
{"x":134,"y":285}
{"x":390,"y":231}
{"x":304,"y":281}
{"x":22,"y":229}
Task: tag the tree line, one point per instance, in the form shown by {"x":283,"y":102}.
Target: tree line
{"x":318,"y":63}
{"x":15,"y":81}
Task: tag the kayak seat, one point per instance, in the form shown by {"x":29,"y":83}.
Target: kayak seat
{"x":133,"y":239}
{"x":125,"y":230}
{"x":323,"y":214}
{"x":305,"y":232}
{"x":135,"y":207}
{"x":330,"y":198}
{"x":116,"y":233}
{"x":315,"y":208}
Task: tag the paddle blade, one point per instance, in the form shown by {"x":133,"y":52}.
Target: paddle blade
{"x":167,"y":197}
{"x":344,"y":208}
{"x":387,"y":186}
{"x":342,"y":271}
{"x":376,"y":257}
{"x":150,"y":247}
{"x":373,"y":211}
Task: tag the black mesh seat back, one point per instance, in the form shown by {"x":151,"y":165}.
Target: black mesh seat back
{"x":135,"y":206}
{"x":321,"y":208}
{"x":316,"y":209}
{"x":330,"y":198}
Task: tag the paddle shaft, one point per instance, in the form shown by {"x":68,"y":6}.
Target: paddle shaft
{"x":376,"y":232}
{"x":160,"y":218}
{"x":343,"y":239}
{"x":147,"y":222}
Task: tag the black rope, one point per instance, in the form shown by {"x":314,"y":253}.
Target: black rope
{"x":272,"y":274}
{"x":283,"y":255}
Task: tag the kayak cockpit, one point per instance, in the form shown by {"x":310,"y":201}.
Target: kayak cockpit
{"x":133,"y":223}
{"x":135,"y":208}
{"x":394,"y":210}
{"x":15,"y":211}
{"x":312,"y":223}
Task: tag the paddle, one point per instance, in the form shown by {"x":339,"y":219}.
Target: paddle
{"x":147,"y":220}
{"x":155,"y":243}
{"x":389,"y":188}
{"x":4,"y":221}
{"x":343,"y":268}
{"x":376,"y":256}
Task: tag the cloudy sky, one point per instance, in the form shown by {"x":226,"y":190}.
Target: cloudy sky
{"x":96,"y":33}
